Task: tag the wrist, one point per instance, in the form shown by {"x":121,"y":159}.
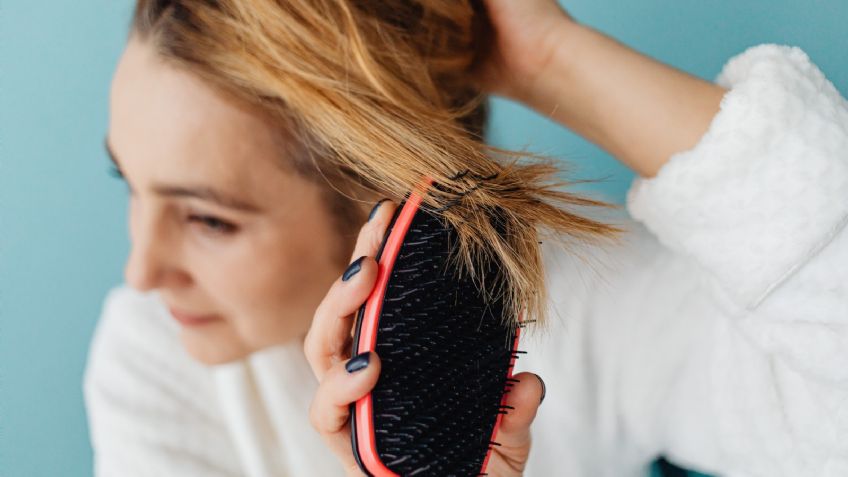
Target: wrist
{"x":561,"y":44}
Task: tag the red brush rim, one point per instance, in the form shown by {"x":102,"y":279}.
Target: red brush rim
{"x":365,"y":439}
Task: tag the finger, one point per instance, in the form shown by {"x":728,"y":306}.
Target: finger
{"x":330,"y":332}
{"x":371,"y":234}
{"x":525,"y":397}
{"x":328,"y":339}
{"x":343,"y":384}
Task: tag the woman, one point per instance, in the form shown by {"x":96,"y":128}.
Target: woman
{"x":712,"y":333}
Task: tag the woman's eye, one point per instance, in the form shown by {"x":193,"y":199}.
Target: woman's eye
{"x":213,"y":224}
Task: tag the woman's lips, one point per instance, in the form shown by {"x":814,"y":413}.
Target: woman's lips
{"x":192,"y":320}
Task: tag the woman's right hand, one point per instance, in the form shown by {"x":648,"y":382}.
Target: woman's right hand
{"x":343,"y":380}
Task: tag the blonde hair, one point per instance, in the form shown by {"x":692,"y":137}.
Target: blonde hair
{"x":378,"y":93}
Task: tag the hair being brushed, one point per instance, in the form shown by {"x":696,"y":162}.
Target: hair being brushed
{"x":378,"y":94}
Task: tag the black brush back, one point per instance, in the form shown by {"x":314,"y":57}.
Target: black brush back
{"x":446,"y":355}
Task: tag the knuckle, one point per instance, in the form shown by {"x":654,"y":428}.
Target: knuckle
{"x":365,"y":231}
{"x":320,"y":310}
{"x":309,"y":347}
{"x":376,"y":241}
{"x":315,"y":417}
{"x":327,"y":305}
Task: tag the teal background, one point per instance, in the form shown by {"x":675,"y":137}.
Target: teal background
{"x":62,"y":224}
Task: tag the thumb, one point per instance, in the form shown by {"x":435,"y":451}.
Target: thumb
{"x":514,"y":431}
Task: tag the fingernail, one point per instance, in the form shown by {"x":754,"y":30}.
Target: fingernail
{"x":358,"y":362}
{"x":353,"y":269}
{"x":544,"y":389}
{"x":374,"y":209}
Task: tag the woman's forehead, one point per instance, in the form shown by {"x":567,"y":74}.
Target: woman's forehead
{"x":170,"y":124}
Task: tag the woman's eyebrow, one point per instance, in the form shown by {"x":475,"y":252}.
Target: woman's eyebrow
{"x":206,"y":193}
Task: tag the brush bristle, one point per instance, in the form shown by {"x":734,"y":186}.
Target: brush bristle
{"x":445,"y":355}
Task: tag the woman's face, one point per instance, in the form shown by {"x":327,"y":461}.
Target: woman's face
{"x":216,"y":227}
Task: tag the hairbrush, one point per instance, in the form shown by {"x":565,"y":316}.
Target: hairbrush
{"x":447,"y":353}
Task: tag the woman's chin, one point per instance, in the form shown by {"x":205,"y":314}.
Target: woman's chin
{"x":212,"y":347}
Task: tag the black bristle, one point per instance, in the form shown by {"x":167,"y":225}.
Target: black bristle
{"x":444,"y":361}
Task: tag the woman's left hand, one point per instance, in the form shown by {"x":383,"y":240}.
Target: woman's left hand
{"x":528,"y":35}
{"x":344,"y":380}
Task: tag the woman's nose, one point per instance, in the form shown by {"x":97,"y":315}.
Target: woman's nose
{"x":148,"y":261}
{"x":143,"y":269}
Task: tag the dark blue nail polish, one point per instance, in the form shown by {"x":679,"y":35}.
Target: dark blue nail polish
{"x":358,"y":362}
{"x":353,"y":268}
{"x":544,"y":389}
{"x":374,"y":209}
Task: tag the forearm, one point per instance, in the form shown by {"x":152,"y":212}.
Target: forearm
{"x":639,"y":110}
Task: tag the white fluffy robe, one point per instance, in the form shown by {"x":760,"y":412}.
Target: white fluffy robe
{"x":715,"y":334}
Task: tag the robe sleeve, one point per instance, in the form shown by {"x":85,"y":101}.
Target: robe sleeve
{"x":760,"y":204}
